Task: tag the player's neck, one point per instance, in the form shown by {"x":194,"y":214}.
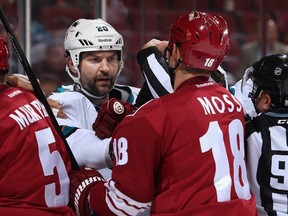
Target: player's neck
{"x":181,"y":76}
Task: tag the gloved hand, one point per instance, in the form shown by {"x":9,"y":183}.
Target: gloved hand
{"x":110,"y":115}
{"x":81,"y":183}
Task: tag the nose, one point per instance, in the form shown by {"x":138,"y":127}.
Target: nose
{"x":104,"y":66}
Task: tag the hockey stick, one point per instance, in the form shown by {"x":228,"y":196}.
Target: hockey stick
{"x":37,"y":89}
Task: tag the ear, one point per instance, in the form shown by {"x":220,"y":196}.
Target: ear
{"x":175,"y":51}
{"x":175,"y":55}
{"x":264,"y":102}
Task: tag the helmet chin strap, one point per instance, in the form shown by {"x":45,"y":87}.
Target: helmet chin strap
{"x":172,"y":71}
{"x":78,"y":87}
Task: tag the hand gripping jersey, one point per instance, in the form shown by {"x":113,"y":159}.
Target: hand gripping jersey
{"x":267,"y":153}
{"x":181,"y":154}
{"x":87,"y":148}
{"x":34,"y":164}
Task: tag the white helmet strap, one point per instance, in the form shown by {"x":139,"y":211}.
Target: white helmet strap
{"x":75,"y":79}
{"x":78,"y":86}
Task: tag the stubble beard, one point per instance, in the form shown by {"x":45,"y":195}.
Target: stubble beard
{"x":98,"y":90}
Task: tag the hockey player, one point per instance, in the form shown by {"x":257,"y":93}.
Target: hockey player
{"x":94,"y":61}
{"x":181,"y":154}
{"x":269,"y":77}
{"x":267,"y":150}
{"x":34,"y":164}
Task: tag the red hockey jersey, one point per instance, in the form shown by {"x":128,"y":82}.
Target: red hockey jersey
{"x":33,"y":159}
{"x":181,"y":154}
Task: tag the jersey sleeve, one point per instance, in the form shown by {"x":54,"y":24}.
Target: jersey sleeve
{"x":155,"y":71}
{"x":88,"y":149}
{"x":80,"y":111}
{"x":139,"y":159}
{"x":132,"y":187}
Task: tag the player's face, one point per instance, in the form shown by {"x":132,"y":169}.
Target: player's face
{"x":99,"y":71}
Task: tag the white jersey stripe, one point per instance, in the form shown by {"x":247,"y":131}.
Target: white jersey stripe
{"x":155,"y":95}
{"x":160,"y":73}
{"x":117,"y":200}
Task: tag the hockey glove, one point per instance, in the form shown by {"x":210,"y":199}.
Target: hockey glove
{"x":81,"y":183}
{"x":110,"y":115}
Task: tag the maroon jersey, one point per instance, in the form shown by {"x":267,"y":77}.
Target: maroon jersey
{"x":181,"y":154}
{"x":33,"y":159}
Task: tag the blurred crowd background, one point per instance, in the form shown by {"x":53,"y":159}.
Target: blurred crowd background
{"x":257,"y":27}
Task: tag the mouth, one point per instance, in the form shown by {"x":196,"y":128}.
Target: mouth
{"x":104,"y":81}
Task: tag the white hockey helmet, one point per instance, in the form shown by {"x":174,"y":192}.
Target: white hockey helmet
{"x":86,"y":35}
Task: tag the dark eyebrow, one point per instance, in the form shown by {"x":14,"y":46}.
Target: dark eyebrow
{"x":93,"y":53}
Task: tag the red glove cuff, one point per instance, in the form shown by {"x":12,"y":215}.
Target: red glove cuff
{"x":81,"y":183}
